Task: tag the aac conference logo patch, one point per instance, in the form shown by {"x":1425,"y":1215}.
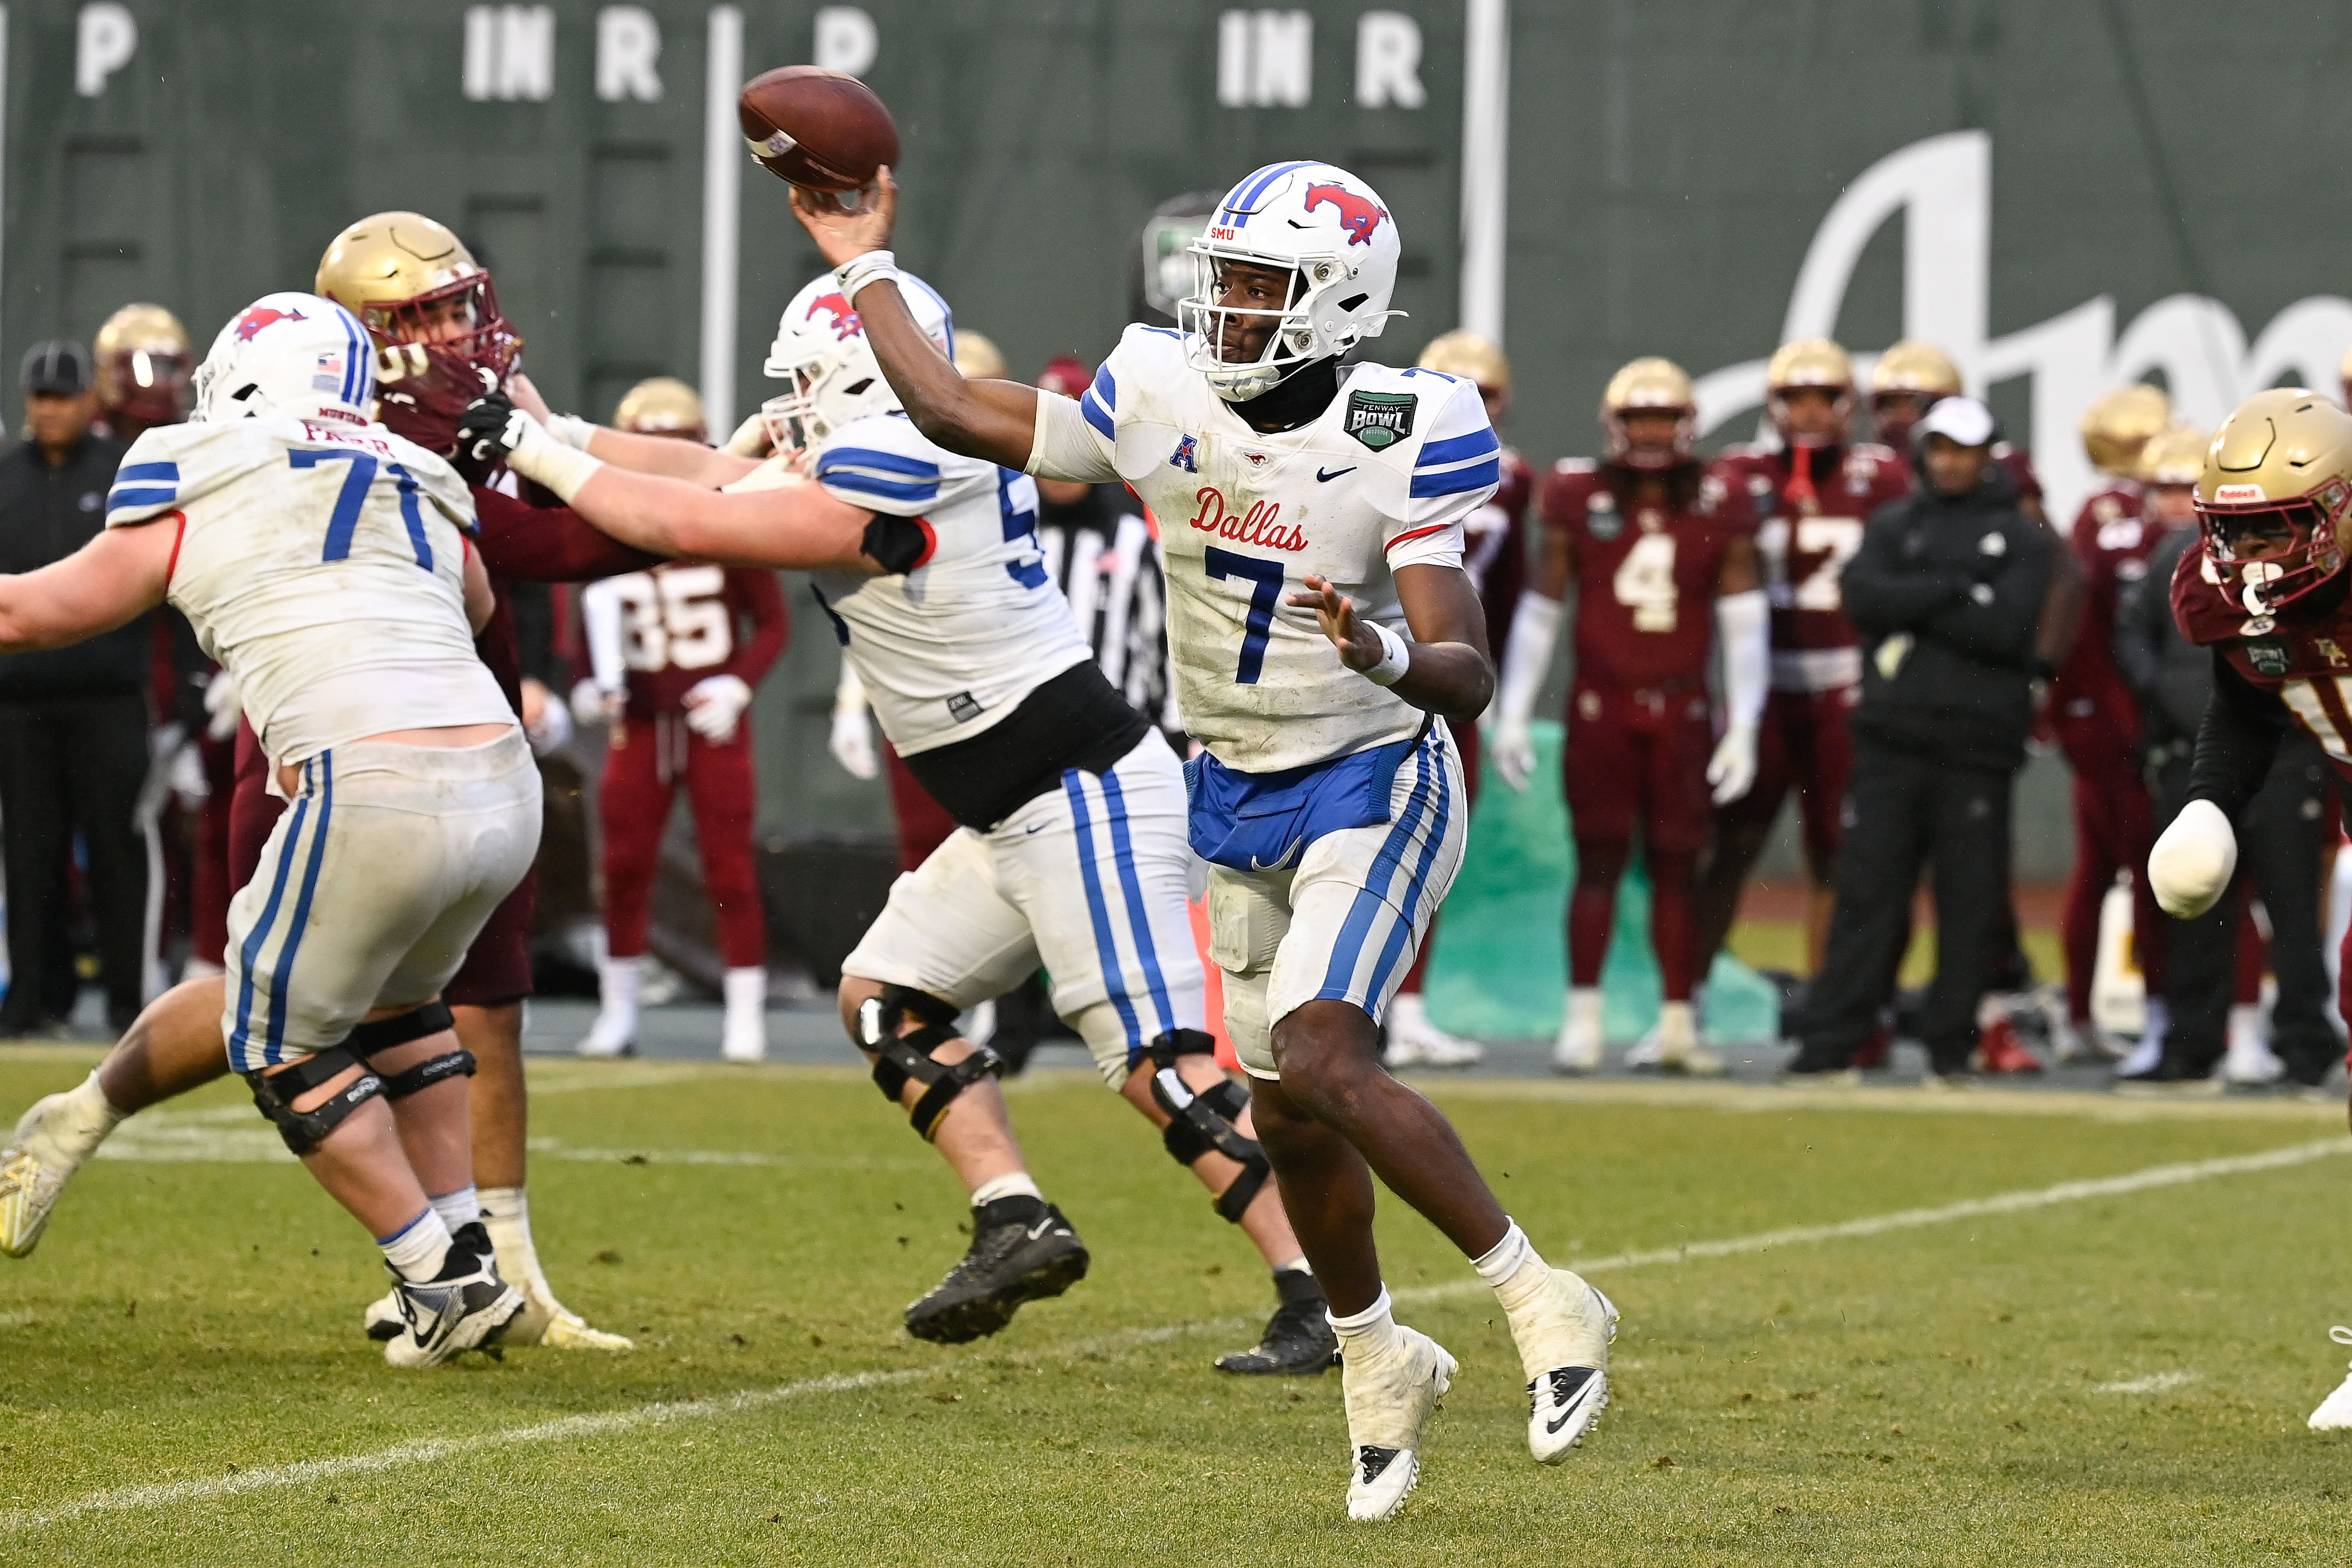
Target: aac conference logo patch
{"x":1380,"y":420}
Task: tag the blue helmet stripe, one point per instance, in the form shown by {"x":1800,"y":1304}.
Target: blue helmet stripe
{"x":1262,"y":179}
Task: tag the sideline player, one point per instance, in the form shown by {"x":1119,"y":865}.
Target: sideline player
{"x":1494,"y":556}
{"x":2269,"y":590}
{"x":1811,"y":493}
{"x":1662,"y":559}
{"x":1307,"y":514}
{"x":325,"y":560}
{"x":438,"y":333}
{"x":672,"y":673}
{"x":2098,"y":724}
{"x":1070,"y":851}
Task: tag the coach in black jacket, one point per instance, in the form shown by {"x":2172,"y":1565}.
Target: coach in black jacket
{"x":1947,"y":593}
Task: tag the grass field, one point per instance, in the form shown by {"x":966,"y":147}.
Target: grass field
{"x":2098,"y":1375}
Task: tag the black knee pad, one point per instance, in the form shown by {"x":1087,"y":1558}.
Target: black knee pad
{"x":899,"y":1058}
{"x":274,"y":1095}
{"x":1207,"y":1120}
{"x":402,"y":1028}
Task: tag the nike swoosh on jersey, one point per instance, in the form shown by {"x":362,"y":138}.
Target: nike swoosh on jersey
{"x":1327,"y":478}
{"x":1280,"y":861}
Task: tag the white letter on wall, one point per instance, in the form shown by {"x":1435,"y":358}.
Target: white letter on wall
{"x":628,"y":47}
{"x":105,"y":37}
{"x":846,"y":40}
{"x":1388,"y":61}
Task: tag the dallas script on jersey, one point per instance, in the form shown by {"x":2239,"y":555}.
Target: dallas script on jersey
{"x":1255,"y":526}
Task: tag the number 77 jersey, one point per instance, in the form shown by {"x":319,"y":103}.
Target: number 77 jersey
{"x":1809,"y":526}
{"x":1383,"y":478}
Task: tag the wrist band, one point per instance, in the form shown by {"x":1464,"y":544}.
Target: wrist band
{"x":570,"y":429}
{"x":860,"y":270}
{"x":1396,"y":658}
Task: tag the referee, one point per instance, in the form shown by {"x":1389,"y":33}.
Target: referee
{"x":1947,"y":592}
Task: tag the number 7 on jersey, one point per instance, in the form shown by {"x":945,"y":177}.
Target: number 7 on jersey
{"x":1268,"y":576}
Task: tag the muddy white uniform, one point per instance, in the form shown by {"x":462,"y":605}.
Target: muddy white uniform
{"x":1330,"y":809}
{"x":323,"y":564}
{"x":1071,"y":850}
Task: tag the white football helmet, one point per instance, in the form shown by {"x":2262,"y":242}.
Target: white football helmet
{"x":290,"y":354}
{"x":821,"y":349}
{"x":1329,"y":231}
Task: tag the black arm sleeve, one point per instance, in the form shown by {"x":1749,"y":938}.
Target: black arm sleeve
{"x":897,"y":544}
{"x":2236,"y":741}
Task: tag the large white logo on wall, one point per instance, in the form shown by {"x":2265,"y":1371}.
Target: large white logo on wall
{"x":1943,"y":188}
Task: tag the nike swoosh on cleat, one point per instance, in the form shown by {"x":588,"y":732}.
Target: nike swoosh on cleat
{"x":1551,"y":1429}
{"x":1327,"y":478}
{"x":1041,"y":1227}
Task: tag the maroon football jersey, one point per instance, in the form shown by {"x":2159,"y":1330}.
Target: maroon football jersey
{"x":1812,"y":504}
{"x":2306,"y":659}
{"x":681,"y":623}
{"x":1495,"y":549}
{"x":2111,"y":545}
{"x":2021,"y":471}
{"x":1646,"y":575}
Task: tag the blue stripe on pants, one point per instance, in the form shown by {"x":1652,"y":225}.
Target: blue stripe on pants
{"x":1391,"y":950}
{"x":1138,"y":917}
{"x":274,"y":1050}
{"x":255,"y":938}
{"x":1369,"y":898}
{"x":1106,"y":940}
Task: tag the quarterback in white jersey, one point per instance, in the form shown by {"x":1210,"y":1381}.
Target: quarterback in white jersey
{"x":325,"y":563}
{"x":1322,"y":631}
{"x":1071,"y":849}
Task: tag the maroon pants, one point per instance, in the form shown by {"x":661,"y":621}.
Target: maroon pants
{"x":923,"y":823}
{"x":1636,"y":758}
{"x":2113,"y":830}
{"x":644,"y":765}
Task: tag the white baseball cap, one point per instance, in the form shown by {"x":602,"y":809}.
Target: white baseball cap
{"x":1960,"y":420}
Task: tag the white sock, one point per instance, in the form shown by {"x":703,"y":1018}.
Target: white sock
{"x":1368,"y":1334}
{"x":1298,"y":1265}
{"x":1016,"y":1185}
{"x":1584,"y":1008}
{"x":92,"y":1117}
{"x":746,"y":989}
{"x":1407,"y":1010}
{"x":458,"y":1208}
{"x":506,"y":1215}
{"x":417,"y":1248}
{"x":1677,"y":1022}
{"x":616,"y":986}
{"x":1515,"y":1270}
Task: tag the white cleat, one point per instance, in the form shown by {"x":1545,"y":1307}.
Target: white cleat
{"x":2334,"y":1412}
{"x":51,"y":1141}
{"x":2249,"y":1063}
{"x":745,"y":1037}
{"x":613,"y":1033}
{"x":1672,"y":1046}
{"x":1415,"y":1042}
{"x":465,"y":1307}
{"x":1389,"y":1406}
{"x":1567,"y":1395}
{"x":1579,"y":1048}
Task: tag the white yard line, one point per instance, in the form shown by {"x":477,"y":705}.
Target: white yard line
{"x":597,"y":1424}
{"x":2155,"y":1382}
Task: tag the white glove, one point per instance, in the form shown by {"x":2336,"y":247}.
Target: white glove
{"x":750,"y":438}
{"x":1732,"y":770}
{"x":554,"y":728}
{"x":713,"y":706}
{"x":222,"y":706}
{"x":185,"y":776}
{"x":1513,"y":752}
{"x":2191,"y":865}
{"x":593,"y":704}
{"x":852,"y":743}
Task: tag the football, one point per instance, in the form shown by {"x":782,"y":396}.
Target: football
{"x":818,"y":127}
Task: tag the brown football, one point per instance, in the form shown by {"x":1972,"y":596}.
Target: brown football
{"x":818,"y":127}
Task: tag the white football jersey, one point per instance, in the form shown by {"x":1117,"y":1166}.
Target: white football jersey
{"x":323,"y":564}
{"x":1384,"y":478}
{"x":950,"y":647}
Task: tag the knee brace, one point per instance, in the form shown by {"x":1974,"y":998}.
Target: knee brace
{"x":1206,"y":1121}
{"x":274,"y":1095}
{"x":384,"y":1033}
{"x":899,"y":1058}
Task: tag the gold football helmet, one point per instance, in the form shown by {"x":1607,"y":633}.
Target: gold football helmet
{"x":2344,"y":377}
{"x":441,"y":341}
{"x":1654,"y":385}
{"x":1464,"y":353}
{"x":2275,"y":497}
{"x":1814,"y":362}
{"x":2119,"y":423}
{"x":979,"y":358}
{"x":661,"y":405}
{"x":2174,"y":455}
{"x":1915,"y":367}
{"x":145,"y":366}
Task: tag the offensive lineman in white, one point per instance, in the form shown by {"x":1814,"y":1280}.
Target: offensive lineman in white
{"x":1071,"y":849}
{"x":1309,"y":513}
{"x":325,"y":563}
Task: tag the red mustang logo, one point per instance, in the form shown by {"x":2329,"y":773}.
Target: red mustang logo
{"x":260,"y":316}
{"x":1358,"y":215}
{"x":845,"y":324}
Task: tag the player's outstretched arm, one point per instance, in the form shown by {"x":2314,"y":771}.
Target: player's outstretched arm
{"x":996,"y":420}
{"x":1445,"y":669}
{"x":116,"y":577}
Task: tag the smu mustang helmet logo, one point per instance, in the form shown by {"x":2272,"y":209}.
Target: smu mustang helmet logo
{"x":1358,"y":215}
{"x":845,"y":324}
{"x":260,"y":316}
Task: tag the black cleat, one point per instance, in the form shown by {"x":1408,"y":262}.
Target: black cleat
{"x":1021,"y":1250}
{"x":1299,"y":1341}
